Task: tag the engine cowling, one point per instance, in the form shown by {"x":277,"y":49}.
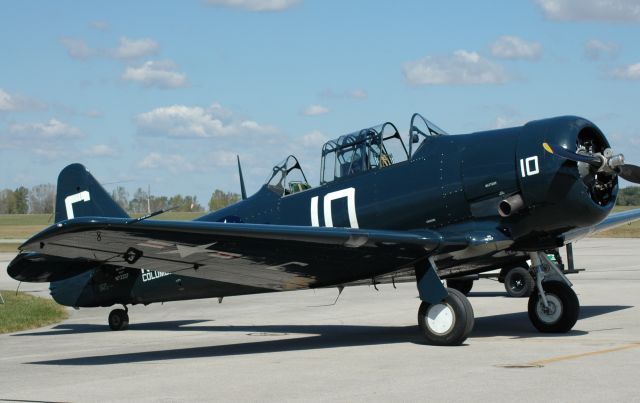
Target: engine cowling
{"x":559,"y":194}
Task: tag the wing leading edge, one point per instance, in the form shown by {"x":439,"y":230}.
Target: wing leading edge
{"x":611,"y":222}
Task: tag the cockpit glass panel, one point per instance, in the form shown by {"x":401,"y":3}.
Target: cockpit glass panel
{"x":393,"y":150}
{"x":287,"y":177}
{"x":420,"y":129}
{"x":362,"y":151}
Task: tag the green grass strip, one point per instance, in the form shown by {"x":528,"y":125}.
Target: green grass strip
{"x":24,"y":311}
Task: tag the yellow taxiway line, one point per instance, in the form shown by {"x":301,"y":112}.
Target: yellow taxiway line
{"x":587,"y":354}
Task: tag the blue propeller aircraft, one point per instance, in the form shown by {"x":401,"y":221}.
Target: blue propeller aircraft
{"x":438,"y":207}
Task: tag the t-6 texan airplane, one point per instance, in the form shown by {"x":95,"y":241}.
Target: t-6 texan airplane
{"x":438,"y":207}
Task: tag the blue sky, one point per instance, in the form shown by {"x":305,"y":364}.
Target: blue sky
{"x":167,"y":93}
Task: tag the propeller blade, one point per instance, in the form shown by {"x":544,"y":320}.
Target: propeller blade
{"x":570,"y":155}
{"x":629,"y":172}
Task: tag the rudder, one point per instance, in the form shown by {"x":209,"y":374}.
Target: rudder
{"x":80,"y":195}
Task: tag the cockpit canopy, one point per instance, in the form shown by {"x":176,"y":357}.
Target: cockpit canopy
{"x":372,"y":148}
{"x":418,"y":127}
{"x":376,"y":147}
{"x":288,"y":178}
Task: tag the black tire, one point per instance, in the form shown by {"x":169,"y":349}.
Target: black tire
{"x":118,"y":319}
{"x":564,"y":305}
{"x":464,"y":286}
{"x":457,"y":329}
{"x":518,"y":282}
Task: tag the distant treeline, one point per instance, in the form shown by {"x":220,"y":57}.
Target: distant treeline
{"x":629,"y":196}
{"x":143,"y":203}
{"x":40,"y":199}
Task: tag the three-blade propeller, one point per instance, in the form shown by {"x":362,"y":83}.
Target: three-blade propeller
{"x":605,"y":162}
{"x":630,"y":173}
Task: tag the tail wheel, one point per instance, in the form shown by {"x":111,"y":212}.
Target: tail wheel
{"x":561,"y":314}
{"x":518,"y":282}
{"x":447,"y":323}
{"x":464,"y":286}
{"x":118,"y":319}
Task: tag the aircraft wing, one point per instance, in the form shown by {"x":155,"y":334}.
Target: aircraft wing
{"x":612,"y":221}
{"x":273,"y":257}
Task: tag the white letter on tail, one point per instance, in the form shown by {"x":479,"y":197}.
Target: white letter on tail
{"x":74,"y":198}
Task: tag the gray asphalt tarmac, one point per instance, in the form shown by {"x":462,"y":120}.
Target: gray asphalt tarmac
{"x":297,"y":346}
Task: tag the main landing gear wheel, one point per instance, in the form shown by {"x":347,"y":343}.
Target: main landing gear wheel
{"x":518,"y":282}
{"x":447,"y":323}
{"x":562,"y":312}
{"x":464,"y":286}
{"x":118,"y":319}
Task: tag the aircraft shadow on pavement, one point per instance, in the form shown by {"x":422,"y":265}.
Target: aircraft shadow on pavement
{"x":488,"y":294}
{"x":518,"y":325}
{"x":79,"y":328}
{"x":318,"y":337}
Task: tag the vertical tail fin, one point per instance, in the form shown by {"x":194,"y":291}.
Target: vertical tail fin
{"x":80,"y":195}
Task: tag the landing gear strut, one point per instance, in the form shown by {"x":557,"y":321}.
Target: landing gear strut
{"x":553,"y":306}
{"x":119,"y":319}
{"x":445,"y":315}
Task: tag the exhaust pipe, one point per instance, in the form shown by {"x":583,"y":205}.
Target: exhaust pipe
{"x":510,"y":205}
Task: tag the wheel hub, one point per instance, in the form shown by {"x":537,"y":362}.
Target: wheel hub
{"x":518,"y":284}
{"x":440,"y":318}
{"x":553,"y":312}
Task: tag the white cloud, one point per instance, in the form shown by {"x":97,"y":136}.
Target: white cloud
{"x":51,"y":130}
{"x":7,"y":101}
{"x":135,"y":48}
{"x":49,"y":153}
{"x":598,"y":50}
{"x":222,"y":158}
{"x":591,"y":10}
{"x":512,"y":47}
{"x":77,"y":48}
{"x":462,"y":67}
{"x":255,"y":5}
{"x":358,"y":93}
{"x":502,"y":122}
{"x":180,"y":121}
{"x":100,"y":151}
{"x":314,"y":139}
{"x":160,"y":74}
{"x":315,"y":110}
{"x":174,"y":163}
{"x":127,"y":48}
{"x":629,"y":72}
